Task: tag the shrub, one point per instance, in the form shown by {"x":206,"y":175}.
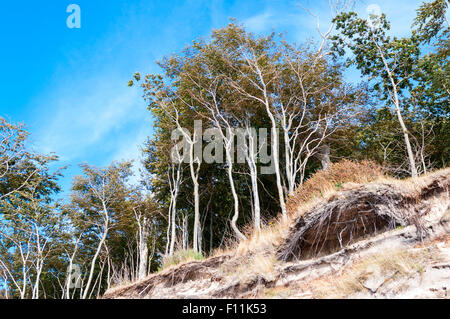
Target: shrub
{"x":333,"y":178}
{"x":181,"y":256}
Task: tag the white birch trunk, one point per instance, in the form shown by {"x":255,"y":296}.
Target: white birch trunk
{"x":396,"y":102}
{"x":97,"y":252}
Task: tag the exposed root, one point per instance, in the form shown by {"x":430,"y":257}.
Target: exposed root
{"x":357,"y":213}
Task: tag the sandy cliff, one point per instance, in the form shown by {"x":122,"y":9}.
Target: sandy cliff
{"x":384,"y":239}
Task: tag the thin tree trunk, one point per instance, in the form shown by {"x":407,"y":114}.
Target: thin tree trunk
{"x":143,"y":248}
{"x":196,"y":200}
{"x":251,"y":154}
{"x":6,"y":288}
{"x":174,"y":208}
{"x":97,"y":252}
{"x":289,"y":168}
{"x":233,"y":191}
{"x":173,"y":227}
{"x":71,"y":259}
{"x":276,"y":158}
{"x":169,"y":225}
{"x":396,"y":102}
{"x":275,"y":147}
{"x":185,"y":232}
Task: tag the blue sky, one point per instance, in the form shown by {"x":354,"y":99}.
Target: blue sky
{"x":69,"y":86}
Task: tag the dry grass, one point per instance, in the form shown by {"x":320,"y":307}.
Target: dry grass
{"x":180,"y":257}
{"x":410,"y":184}
{"x":256,"y":265}
{"x":255,"y":256}
{"x":245,"y":268}
{"x":329,"y":181}
{"x":264,"y":240}
{"x":389,"y":265}
{"x":280,"y":292}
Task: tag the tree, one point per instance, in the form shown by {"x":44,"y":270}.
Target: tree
{"x":144,"y":210}
{"x":28,"y":225}
{"x":388,"y":61}
{"x":28,"y":216}
{"x":314,"y":103}
{"x":219,"y":115}
{"x":238,"y":83}
{"x":174,"y":176}
{"x":93,"y":196}
{"x":432,"y":90}
{"x":259,"y":59}
{"x":13,"y":158}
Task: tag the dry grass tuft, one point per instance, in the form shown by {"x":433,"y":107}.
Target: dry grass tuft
{"x":331,"y":180}
{"x":265,"y":240}
{"x":180,"y":257}
{"x":247,"y":268}
{"x":279,"y":292}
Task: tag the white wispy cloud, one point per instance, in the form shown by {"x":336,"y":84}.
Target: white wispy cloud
{"x":400,"y":13}
{"x":75,"y":121}
{"x":293,"y":18}
{"x":260,"y":22}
